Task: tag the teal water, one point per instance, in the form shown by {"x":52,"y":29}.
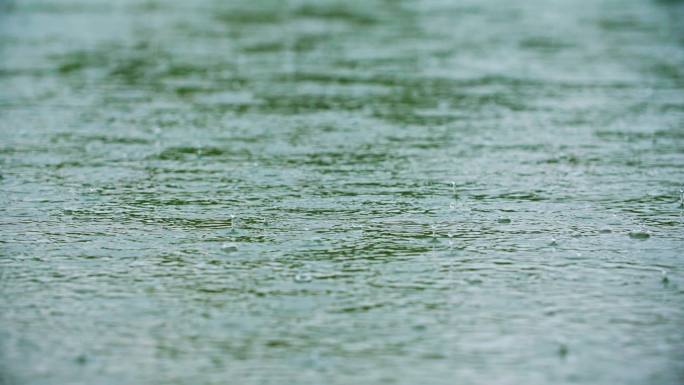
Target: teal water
{"x":341,"y":192}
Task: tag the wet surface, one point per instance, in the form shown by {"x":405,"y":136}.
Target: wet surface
{"x":315,"y":192}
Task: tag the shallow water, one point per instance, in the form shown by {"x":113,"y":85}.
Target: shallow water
{"x":328,"y":192}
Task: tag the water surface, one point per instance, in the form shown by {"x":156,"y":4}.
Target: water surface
{"x":340,"y":192}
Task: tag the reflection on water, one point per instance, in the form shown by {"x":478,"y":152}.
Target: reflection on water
{"x":341,"y":192}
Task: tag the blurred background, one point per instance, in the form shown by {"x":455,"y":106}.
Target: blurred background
{"x":335,"y":192}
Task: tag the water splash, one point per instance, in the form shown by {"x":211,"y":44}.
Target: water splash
{"x":303,"y":277}
{"x":229,"y":247}
{"x":639,"y":234}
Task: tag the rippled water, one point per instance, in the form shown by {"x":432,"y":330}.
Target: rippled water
{"x":341,"y":192}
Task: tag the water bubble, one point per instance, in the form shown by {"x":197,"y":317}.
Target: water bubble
{"x":302,"y":277}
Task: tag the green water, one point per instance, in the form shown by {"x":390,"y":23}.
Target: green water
{"x":341,"y":192}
